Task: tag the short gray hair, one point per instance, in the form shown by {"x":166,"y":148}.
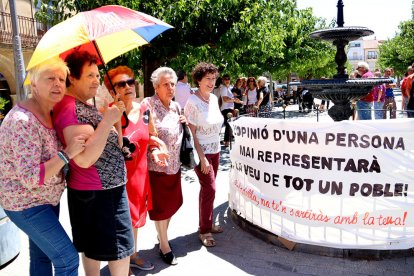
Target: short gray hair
{"x":55,"y":63}
{"x":364,"y":65}
{"x":156,"y":75}
{"x":261,"y":78}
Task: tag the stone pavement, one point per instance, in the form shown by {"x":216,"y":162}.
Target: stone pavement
{"x":238,"y":252}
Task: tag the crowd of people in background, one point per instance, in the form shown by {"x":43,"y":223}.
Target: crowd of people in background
{"x":381,"y":99}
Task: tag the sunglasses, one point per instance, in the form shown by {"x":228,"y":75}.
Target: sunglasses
{"x":226,"y":79}
{"x":122,"y":84}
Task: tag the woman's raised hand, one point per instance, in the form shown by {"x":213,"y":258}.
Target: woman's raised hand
{"x":112,"y":114}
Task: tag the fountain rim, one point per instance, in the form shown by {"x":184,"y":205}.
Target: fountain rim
{"x":354,"y":33}
{"x":342,"y":81}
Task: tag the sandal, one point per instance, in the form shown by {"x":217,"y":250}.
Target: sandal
{"x":217,"y":229}
{"x":207,"y":240}
{"x":141,"y":264}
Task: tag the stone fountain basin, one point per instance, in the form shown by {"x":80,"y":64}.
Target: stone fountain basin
{"x":339,"y":90}
{"x":349,"y":33}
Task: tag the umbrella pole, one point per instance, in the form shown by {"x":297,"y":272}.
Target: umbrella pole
{"x":105,"y":70}
{"x":109,"y":79}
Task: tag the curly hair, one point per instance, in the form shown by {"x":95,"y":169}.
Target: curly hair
{"x":75,"y":62}
{"x":117,"y":71}
{"x":202,"y":69}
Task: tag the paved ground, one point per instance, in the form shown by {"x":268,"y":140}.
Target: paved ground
{"x":237,"y":252}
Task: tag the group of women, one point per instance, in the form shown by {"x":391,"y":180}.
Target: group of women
{"x":111,"y":183}
{"x":248,"y":96}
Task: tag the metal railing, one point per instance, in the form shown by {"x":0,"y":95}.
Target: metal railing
{"x":29,"y":29}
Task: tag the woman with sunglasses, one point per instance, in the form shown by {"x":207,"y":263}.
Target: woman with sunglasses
{"x":137,"y":136}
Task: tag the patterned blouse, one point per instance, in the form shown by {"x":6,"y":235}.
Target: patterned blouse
{"x":25,"y":144}
{"x":207,"y":119}
{"x":109,"y":170}
{"x":169,"y":130}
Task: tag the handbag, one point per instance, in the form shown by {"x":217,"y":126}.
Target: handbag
{"x":187,"y":150}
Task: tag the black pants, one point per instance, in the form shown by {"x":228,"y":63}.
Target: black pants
{"x":227,"y":130}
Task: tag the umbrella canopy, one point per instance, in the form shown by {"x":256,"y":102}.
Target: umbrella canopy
{"x":114,"y":29}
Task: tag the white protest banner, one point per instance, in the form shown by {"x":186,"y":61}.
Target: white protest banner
{"x":342,"y":184}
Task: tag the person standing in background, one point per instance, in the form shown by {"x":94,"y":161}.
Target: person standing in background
{"x":263,"y":98}
{"x":238,"y":93}
{"x":404,"y":92}
{"x":182,"y":89}
{"x":378,"y":97}
{"x":389,"y":102}
{"x":364,"y":105}
{"x":227,"y":106}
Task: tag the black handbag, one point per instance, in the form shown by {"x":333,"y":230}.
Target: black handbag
{"x":187,"y":150}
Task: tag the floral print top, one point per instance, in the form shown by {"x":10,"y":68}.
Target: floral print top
{"x":169,"y":130}
{"x":207,"y":119}
{"x":25,"y":144}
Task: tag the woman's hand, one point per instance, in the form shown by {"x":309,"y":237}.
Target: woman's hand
{"x":204,"y":165}
{"x":76,"y":145}
{"x":113,"y":113}
{"x":160,"y":157}
{"x":182,"y":119}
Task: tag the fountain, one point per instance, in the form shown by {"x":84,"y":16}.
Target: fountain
{"x":341,"y":90}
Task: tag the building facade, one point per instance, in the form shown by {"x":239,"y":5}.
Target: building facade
{"x":364,"y":50}
{"x":30,"y":33}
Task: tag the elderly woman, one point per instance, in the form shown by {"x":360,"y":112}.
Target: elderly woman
{"x":364,"y":105}
{"x":205,"y":120}
{"x":228,"y":101}
{"x":137,"y":136}
{"x":98,"y":204}
{"x":251,"y":97}
{"x":264,"y":104}
{"x":32,"y":180}
{"x":165,"y":181}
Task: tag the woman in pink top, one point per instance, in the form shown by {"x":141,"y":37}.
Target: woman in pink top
{"x":97,"y":199}
{"x":32,"y":180}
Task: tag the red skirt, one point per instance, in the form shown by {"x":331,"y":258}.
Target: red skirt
{"x":167,"y":196}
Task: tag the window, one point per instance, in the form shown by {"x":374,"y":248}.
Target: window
{"x":356,"y":45}
{"x":372,"y":55}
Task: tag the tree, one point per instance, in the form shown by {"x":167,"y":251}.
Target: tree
{"x":398,"y":52}
{"x":242,"y":37}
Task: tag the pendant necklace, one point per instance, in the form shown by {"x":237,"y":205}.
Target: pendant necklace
{"x":201,"y":96}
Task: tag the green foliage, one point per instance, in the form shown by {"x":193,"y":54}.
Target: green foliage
{"x":3,"y":103}
{"x":242,"y":37}
{"x":399,"y":51}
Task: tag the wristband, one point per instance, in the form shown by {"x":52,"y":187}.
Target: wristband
{"x":62,"y":155}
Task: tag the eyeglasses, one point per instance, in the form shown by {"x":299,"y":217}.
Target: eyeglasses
{"x":226,"y":79}
{"x":122,"y":84}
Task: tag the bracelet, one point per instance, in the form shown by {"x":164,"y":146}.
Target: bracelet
{"x":62,"y":155}
{"x":153,"y":149}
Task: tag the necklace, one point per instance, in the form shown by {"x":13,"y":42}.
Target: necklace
{"x":204,"y":99}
